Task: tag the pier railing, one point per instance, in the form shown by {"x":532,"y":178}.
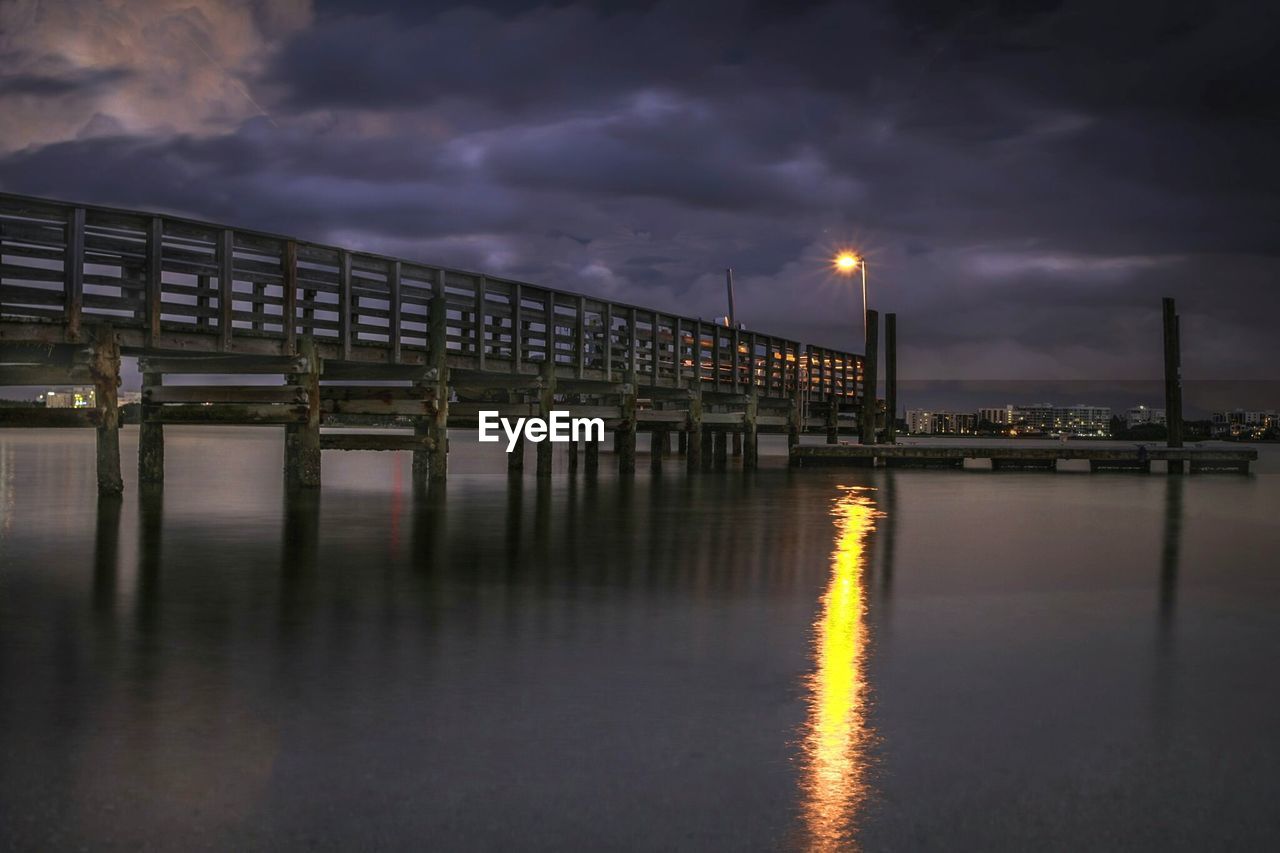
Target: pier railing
{"x":184,"y":284}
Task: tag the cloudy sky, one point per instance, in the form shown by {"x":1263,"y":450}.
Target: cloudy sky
{"x":1027,"y":178}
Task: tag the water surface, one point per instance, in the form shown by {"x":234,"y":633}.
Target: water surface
{"x":813,"y":659}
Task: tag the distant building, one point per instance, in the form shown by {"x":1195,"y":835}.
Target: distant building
{"x":69,"y":398}
{"x":1000,"y":417}
{"x":1242,"y":423}
{"x":1047,"y":418}
{"x":919,"y":421}
{"x":1140,"y":415}
{"x":925,"y":422}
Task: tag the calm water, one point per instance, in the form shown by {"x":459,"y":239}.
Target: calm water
{"x":813,"y":659}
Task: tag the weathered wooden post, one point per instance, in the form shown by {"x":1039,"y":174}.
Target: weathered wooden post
{"x":516,"y":457}
{"x":625,"y":436}
{"x":571,"y":453}
{"x":720,"y":450}
{"x":546,"y":401}
{"x":1173,"y":380}
{"x":795,"y":418}
{"x":657,"y":444}
{"x":891,"y":377}
{"x":302,"y":440}
{"x":150,"y":434}
{"x":833,"y":419}
{"x":750,"y":455}
{"x":682,"y":442}
{"x":592,"y":461}
{"x":106,"y":379}
{"x":693,"y":430}
{"x":436,"y":458}
{"x":737,"y":444}
{"x":870,"y":371}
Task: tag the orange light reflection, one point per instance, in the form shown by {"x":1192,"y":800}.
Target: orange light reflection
{"x":836,"y":735}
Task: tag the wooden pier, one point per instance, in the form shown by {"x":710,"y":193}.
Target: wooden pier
{"x":1015,"y":458}
{"x":340,"y":332}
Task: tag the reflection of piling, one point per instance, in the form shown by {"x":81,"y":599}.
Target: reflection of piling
{"x":870,"y":368}
{"x":106,"y":547}
{"x":891,"y":377}
{"x":1173,"y":380}
{"x":1170,"y":551}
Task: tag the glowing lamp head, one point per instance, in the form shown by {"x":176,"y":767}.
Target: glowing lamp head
{"x":847,"y":262}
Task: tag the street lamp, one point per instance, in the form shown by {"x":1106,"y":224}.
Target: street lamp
{"x":846,"y":263}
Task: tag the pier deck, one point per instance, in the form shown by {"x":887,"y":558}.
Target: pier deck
{"x":1020,"y":458}
{"x":82,"y":286}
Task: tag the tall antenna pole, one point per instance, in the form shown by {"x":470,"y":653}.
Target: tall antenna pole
{"x":728,"y":281}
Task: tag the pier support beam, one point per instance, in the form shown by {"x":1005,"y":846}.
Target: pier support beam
{"x":571,"y":454}
{"x":891,"y":377}
{"x":794,"y":420}
{"x":1173,"y":380}
{"x":750,"y":452}
{"x":720,"y":450}
{"x":867,"y":432}
{"x":106,"y":378}
{"x":150,"y":436}
{"x":546,"y":401}
{"x":302,"y":441}
{"x":833,"y":420}
{"x":625,"y":436}
{"x":592,"y":460}
{"x":682,"y":442}
{"x":515,"y":459}
{"x":437,"y":427}
{"x":693,"y":432}
{"x":737,"y":444}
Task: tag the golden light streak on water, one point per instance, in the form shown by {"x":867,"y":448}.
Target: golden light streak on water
{"x":836,"y":735}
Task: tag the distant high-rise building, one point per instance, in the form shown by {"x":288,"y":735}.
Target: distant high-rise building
{"x":919,"y":421}
{"x":1069,"y":420}
{"x":1002,"y":416}
{"x":925,"y":422}
{"x":1242,"y":423}
{"x":1139,"y":415}
{"x":69,"y":398}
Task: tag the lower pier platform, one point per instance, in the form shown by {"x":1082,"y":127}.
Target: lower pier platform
{"x":1022,"y":458}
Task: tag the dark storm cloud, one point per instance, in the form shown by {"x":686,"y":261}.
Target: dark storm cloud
{"x":60,"y":85}
{"x":1028,"y":178}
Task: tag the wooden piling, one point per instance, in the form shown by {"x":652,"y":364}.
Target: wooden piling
{"x":515,"y":459}
{"x":546,"y":401}
{"x":657,"y":448}
{"x":592,"y":461}
{"x":571,"y":454}
{"x":625,"y":435}
{"x":106,"y":378}
{"x":1173,"y":380}
{"x":707,"y":442}
{"x":891,"y":377}
{"x":794,"y":422}
{"x":720,"y":450}
{"x":682,"y":442}
{"x":437,"y":429}
{"x":150,"y":435}
{"x":737,"y":445}
{"x":693,"y":432}
{"x":750,"y":455}
{"x":833,"y":419}
{"x":867,"y":432}
{"x":302,"y":441}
